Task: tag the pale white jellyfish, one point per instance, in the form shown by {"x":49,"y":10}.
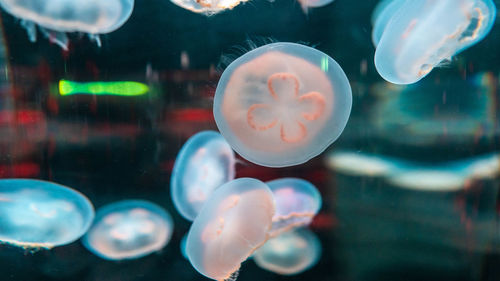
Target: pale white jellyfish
{"x":207,"y":7}
{"x":129,"y":229}
{"x":56,"y":17}
{"x":290,"y":253}
{"x":38,"y":214}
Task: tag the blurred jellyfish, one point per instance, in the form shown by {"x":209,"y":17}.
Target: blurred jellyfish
{"x":56,"y":17}
{"x":183,"y":246}
{"x":297,"y":202}
{"x":207,"y":7}
{"x":232,"y":223}
{"x":410,"y":45}
{"x":447,"y":176}
{"x":460,"y":111}
{"x":205,"y":162}
{"x":38,"y":214}
{"x":307,"y":4}
{"x":363,"y":164}
{"x":290,"y":253}
{"x":129,"y":229}
{"x":282,"y":104}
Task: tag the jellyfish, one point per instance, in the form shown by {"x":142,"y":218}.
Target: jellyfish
{"x":37,"y":214}
{"x":307,"y":4}
{"x":381,"y":17}
{"x":56,"y":17}
{"x":231,"y":225}
{"x":128,"y":229}
{"x":282,"y":104}
{"x":290,"y":253}
{"x":207,"y":7}
{"x":205,"y":162}
{"x":411,"y":44}
{"x":297,"y":202}
{"x":363,"y":164}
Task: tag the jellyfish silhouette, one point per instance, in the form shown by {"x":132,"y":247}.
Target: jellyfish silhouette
{"x":56,"y":17}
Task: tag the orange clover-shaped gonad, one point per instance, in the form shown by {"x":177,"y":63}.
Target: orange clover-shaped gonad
{"x":279,"y":94}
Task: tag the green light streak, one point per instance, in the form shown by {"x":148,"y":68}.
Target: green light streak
{"x":120,"y":88}
{"x":324,"y":64}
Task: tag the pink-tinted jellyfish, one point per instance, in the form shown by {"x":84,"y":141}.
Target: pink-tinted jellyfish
{"x":232,"y":223}
{"x":297,"y":202}
{"x":290,"y":253}
{"x":128,"y":229}
{"x":205,"y":162}
{"x":282,"y":104}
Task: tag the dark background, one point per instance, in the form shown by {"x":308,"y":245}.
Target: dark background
{"x":115,"y":148}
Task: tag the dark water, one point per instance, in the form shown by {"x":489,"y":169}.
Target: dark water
{"x":114,"y":148}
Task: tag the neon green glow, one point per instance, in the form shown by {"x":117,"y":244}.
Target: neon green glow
{"x":120,"y":88}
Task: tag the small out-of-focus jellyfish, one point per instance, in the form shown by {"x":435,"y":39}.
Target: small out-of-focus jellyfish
{"x":207,"y":7}
{"x":290,"y":253}
{"x":128,"y":229}
{"x":432,"y":178}
{"x":363,"y":164}
{"x":297,"y":202}
{"x":232,"y":223}
{"x":411,"y":46}
{"x":56,"y":17}
{"x":282,"y":104}
{"x":38,"y":214}
{"x":307,"y":4}
{"x":205,"y":162}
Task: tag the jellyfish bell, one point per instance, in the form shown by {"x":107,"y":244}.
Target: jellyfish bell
{"x":207,"y":7}
{"x":382,"y":15}
{"x":411,"y":46}
{"x":282,"y":104}
{"x":290,"y":253}
{"x":128,"y":229}
{"x":39,"y":214}
{"x":231,"y":225}
{"x":56,"y":17}
{"x":205,"y":162}
{"x":297,"y":202}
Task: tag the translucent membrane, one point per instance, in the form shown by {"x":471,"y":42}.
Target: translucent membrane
{"x":282,"y":104}
{"x":39,"y":214}
{"x":205,"y":162}
{"x":232,"y":223}
{"x":55,"y":17}
{"x":207,"y":7}
{"x":297,"y":202}
{"x":421,"y":34}
{"x":290,"y":253}
{"x":128,"y":229}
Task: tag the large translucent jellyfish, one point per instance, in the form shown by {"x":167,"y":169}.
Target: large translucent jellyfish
{"x":38,"y":214}
{"x":56,"y":17}
{"x":297,"y":202}
{"x":129,"y":229}
{"x":282,"y":104}
{"x":207,"y":7}
{"x":421,"y":34}
{"x":205,"y":162}
{"x":233,"y":222}
{"x":381,"y":17}
{"x":290,"y":253}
